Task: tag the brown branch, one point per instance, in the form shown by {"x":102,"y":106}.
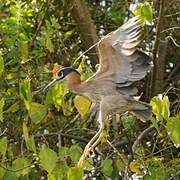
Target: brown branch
{"x":81,"y":15}
{"x":159,"y":54}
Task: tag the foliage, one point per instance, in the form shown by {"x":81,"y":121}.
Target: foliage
{"x":42,"y":135}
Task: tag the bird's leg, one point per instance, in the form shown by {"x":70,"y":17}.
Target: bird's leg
{"x":94,"y":141}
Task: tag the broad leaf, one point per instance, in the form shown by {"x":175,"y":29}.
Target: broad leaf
{"x":82,"y":104}
{"x":75,"y":173}
{"x":136,"y":167}
{"x":107,"y":168}
{"x":21,"y":166}
{"x":37,"y":112}
{"x":173,"y":129}
{"x":144,"y":10}
{"x":31,"y":144}
{"x":3,"y":146}
{"x":75,"y":152}
{"x":48,"y":159}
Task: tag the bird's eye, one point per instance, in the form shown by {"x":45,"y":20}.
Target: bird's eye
{"x":60,"y":74}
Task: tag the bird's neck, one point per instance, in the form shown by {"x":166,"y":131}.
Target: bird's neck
{"x":74,"y":81}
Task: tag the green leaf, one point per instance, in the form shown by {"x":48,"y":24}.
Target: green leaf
{"x":173,"y":129}
{"x":48,"y":159}
{"x":31,"y":144}
{"x":160,"y":106}
{"x":144,"y":10}
{"x":13,"y":108}
{"x":23,"y":48}
{"x":63,"y":152}
{"x":107,"y":168}
{"x":75,"y":173}
{"x":37,"y":112}
{"x":75,"y":152}
{"x":120,"y":164}
{"x":21,"y":166}
{"x":9,"y":175}
{"x":25,"y":131}
{"x":82,"y":104}
{"x":2,"y":172}
{"x":3,"y":146}
{"x":1,"y":65}
{"x":60,"y":171}
{"x":1,"y":109}
{"x":25,"y":92}
{"x":49,"y":44}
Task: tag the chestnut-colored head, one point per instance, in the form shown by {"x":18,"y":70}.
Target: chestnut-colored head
{"x":69,"y":73}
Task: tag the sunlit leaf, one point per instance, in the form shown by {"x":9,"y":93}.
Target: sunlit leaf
{"x":173,"y":129}
{"x":25,"y":92}
{"x":107,"y":167}
{"x":75,"y":173}
{"x":144,"y":10}
{"x":60,"y":171}
{"x":37,"y":112}
{"x":25,"y":131}
{"x":31,"y":144}
{"x":49,"y":44}
{"x":48,"y":159}
{"x":63,"y":152}
{"x":21,"y":166}
{"x":136,"y":167}
{"x":68,"y":33}
{"x":13,"y":108}
{"x":82,"y":104}
{"x":1,"y":65}
{"x":120,"y":164}
{"x":160,"y":106}
{"x":3,"y":146}
{"x":1,"y":109}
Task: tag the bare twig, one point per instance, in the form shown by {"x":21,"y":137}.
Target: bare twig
{"x":85,"y":52}
{"x":139,"y":138}
{"x":39,"y":25}
{"x":63,"y":135}
{"x":171,"y":74}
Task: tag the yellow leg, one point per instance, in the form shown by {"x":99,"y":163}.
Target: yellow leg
{"x":92,"y":143}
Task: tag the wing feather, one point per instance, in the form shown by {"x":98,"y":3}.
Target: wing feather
{"x":119,"y":57}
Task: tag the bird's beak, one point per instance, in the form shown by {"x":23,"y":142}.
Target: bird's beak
{"x":52,"y":83}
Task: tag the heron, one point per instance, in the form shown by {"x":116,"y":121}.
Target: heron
{"x":112,"y":87}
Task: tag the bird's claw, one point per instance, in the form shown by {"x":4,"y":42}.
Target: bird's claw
{"x":86,"y":154}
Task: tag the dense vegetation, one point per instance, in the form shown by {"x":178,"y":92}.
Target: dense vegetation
{"x":42,"y":136}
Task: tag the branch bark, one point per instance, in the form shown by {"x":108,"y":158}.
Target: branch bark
{"x":81,"y":15}
{"x":159,"y":54}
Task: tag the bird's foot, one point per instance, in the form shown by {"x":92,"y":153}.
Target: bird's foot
{"x":87,"y":153}
{"x":89,"y":149}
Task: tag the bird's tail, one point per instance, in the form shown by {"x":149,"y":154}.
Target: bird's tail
{"x":142,"y":111}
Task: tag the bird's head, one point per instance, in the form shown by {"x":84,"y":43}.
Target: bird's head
{"x":65,"y":73}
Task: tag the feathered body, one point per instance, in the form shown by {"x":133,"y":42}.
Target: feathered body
{"x":112,"y":88}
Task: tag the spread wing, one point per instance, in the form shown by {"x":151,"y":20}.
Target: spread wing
{"x":120,"y":60}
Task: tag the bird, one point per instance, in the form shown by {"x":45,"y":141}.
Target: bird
{"x":112,"y":87}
